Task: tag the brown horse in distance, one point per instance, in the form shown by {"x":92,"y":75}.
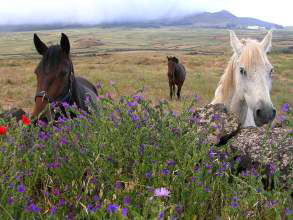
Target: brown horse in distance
{"x":56,"y":81}
{"x":176,"y":76}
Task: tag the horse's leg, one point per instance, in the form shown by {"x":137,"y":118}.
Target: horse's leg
{"x":179,"y":90}
{"x":171,"y":89}
{"x":174,"y":89}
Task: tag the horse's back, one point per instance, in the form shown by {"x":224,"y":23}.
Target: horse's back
{"x":180,"y":73}
{"x":87,"y":84}
{"x":83,"y":91}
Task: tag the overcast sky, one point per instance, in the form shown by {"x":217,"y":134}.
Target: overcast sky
{"x":98,"y":11}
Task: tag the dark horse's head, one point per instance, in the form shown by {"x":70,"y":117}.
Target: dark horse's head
{"x":54,"y":74}
{"x":172,"y":61}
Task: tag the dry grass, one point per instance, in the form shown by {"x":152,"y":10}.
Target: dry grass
{"x":135,"y":58}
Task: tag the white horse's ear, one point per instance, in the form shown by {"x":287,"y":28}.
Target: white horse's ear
{"x":235,"y":43}
{"x":267,"y":41}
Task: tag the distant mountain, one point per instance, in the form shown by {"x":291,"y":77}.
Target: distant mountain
{"x":221,"y":19}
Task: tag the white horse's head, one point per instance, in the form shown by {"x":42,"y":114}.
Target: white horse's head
{"x":245,"y":87}
{"x":253,"y":78}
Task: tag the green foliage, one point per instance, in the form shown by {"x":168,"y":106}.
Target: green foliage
{"x":100,"y":167}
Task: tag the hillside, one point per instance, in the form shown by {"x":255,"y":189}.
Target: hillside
{"x":221,"y":19}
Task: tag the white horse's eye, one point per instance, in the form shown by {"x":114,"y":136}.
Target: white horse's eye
{"x":243,"y":71}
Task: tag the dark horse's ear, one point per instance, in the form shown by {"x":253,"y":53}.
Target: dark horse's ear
{"x":40,"y":46}
{"x":64,"y":43}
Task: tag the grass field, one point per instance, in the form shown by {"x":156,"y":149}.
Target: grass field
{"x":135,"y":58}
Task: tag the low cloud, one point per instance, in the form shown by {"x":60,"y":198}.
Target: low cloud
{"x":96,"y":11}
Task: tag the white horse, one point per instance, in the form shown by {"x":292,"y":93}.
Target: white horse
{"x":245,"y":86}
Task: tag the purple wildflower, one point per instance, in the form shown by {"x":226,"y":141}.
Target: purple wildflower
{"x":161,"y":215}
{"x":118,"y":185}
{"x":53,"y":165}
{"x":216,"y":117}
{"x":56,"y":192}
{"x":111,"y":83}
{"x":137,"y":98}
{"x":124,"y":212}
{"x":41,"y":123}
{"x":288,"y":212}
{"x":238,"y":159}
{"x":10,"y":200}
{"x":21,"y":188}
{"x":108,"y":95}
{"x":196,"y":98}
{"x":206,"y":189}
{"x":244,"y":173}
{"x":161,"y":192}
{"x":170,"y":163}
{"x":61,"y":119}
{"x":179,"y":209}
{"x":209,"y":166}
{"x":141,"y":149}
{"x":254,"y":172}
{"x":112,"y":208}
{"x":148,"y":175}
{"x":174,"y":114}
{"x":92,"y":208}
{"x":165,"y":172}
{"x":285,"y":107}
{"x":134,"y":118}
{"x":196,"y":168}
{"x":132,"y":104}
{"x":99,"y":85}
{"x":96,"y":198}
{"x":61,"y":202}
{"x":65,"y":105}
{"x":272,"y":168}
{"x":234,"y":202}
{"x":53,"y":210}
{"x":63,"y":140}
{"x":212,"y":153}
{"x":126,"y":200}
{"x":43,"y":136}
{"x":32,"y":208}
{"x":281,"y":118}
{"x":11,"y":185}
{"x":56,"y":129}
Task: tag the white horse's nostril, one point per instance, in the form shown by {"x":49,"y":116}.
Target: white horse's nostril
{"x":258,"y":113}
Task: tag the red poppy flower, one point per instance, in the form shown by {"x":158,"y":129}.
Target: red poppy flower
{"x":3,"y":130}
{"x":25,"y":120}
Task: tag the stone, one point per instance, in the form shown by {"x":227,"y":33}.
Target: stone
{"x":220,"y":124}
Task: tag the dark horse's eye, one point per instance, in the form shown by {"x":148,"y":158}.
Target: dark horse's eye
{"x":243,"y":71}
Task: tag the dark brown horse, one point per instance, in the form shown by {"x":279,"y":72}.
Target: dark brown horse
{"x":176,"y":76}
{"x":56,"y":81}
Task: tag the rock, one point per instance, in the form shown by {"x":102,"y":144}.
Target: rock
{"x":221,"y":124}
{"x":13,"y":113}
{"x":271,"y":148}
{"x":268,"y":148}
